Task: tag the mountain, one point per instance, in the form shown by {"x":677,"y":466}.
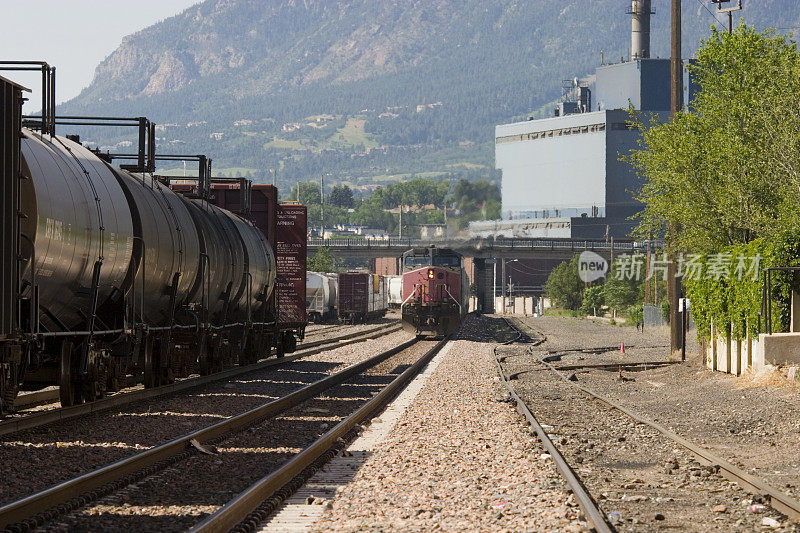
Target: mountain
{"x":367,"y":90}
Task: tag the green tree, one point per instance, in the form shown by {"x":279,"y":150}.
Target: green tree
{"x":308,"y":193}
{"x":727,"y":170}
{"x":476,"y":200}
{"x":342,"y":196}
{"x":322,"y":261}
{"x":622,"y":291}
{"x":564,"y":287}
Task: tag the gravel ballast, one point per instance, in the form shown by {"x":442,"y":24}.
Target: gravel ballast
{"x":458,"y":460}
{"x":183,"y":494}
{"x":35,"y":459}
{"x":647,"y":480}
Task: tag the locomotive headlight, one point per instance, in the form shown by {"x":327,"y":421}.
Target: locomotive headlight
{"x":431,"y":273}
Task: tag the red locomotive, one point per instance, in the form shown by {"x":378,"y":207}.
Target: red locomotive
{"x":435,"y":291}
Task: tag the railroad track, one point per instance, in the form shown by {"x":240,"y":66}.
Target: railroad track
{"x":752,"y":484}
{"x":323,"y":329}
{"x":329,"y":328}
{"x":58,"y":501}
{"x":590,"y":508}
{"x":23,"y":421}
{"x":251,"y":507}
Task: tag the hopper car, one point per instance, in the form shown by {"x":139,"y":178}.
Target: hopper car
{"x":395,"y":284}
{"x":321,"y":296}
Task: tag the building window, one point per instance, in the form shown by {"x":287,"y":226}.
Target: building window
{"x":590,"y":128}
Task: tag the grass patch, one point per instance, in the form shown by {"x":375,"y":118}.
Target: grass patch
{"x":557,"y":311}
{"x":466,"y":165}
{"x":353,"y":134}
{"x":284,"y":144}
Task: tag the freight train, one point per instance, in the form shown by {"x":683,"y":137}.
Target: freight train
{"x":435,"y":291}
{"x":109,"y":272}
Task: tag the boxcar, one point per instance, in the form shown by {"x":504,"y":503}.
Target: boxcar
{"x":360,"y":296}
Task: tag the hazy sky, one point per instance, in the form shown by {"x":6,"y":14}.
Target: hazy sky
{"x":72,"y":35}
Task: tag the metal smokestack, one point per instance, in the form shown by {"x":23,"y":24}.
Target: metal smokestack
{"x":640,"y":29}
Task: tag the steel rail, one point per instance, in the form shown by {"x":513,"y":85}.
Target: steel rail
{"x":778,"y":500}
{"x":49,"y":500}
{"x":246,"y":502}
{"x":584,"y":499}
{"x":14,"y":425}
{"x":615,"y":366}
{"x":324,"y":329}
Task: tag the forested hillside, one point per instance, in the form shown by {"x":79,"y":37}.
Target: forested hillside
{"x":367,"y":91}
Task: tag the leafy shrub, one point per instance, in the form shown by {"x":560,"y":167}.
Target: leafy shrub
{"x":593,"y":299}
{"x":635,"y":314}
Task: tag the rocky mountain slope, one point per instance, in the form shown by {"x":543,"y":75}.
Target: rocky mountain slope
{"x":368,"y":89}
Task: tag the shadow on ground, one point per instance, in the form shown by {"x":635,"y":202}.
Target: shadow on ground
{"x":484,"y":328}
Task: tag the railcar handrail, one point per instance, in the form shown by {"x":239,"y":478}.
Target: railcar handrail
{"x":409,"y":297}
{"x":451,"y":297}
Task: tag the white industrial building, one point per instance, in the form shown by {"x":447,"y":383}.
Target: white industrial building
{"x":563,"y":177}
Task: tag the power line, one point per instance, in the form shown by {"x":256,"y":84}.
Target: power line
{"x":712,"y":14}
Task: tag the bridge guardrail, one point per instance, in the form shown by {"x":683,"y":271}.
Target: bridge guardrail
{"x":539,"y":244}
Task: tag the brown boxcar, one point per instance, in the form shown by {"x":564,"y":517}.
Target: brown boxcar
{"x":361,"y":296}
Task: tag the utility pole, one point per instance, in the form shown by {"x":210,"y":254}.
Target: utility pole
{"x":494,"y":285}
{"x":503,"y":284}
{"x":322,"y":204}
{"x":400,"y":235}
{"x":728,"y":10}
{"x":647,"y":275}
{"x":676,"y":93}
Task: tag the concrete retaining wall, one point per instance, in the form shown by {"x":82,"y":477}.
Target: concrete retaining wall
{"x":778,"y":349}
{"x":518,"y":305}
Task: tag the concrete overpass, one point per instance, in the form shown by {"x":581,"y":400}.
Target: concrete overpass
{"x":475,"y":248}
{"x":531,"y":259}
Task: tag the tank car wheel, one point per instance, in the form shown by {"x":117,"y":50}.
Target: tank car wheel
{"x":150,"y":363}
{"x":203,"y":355}
{"x":115,"y":375}
{"x":9,"y":387}
{"x":291,"y":343}
{"x":69,"y":393}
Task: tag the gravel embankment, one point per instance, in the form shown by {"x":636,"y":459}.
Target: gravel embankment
{"x":35,"y":459}
{"x":185,"y":493}
{"x":632,"y":468}
{"x":458,"y":460}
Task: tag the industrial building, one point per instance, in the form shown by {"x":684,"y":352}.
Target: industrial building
{"x":563,"y":176}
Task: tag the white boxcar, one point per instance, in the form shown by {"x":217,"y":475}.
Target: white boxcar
{"x":320,"y":296}
{"x":395,"y":284}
